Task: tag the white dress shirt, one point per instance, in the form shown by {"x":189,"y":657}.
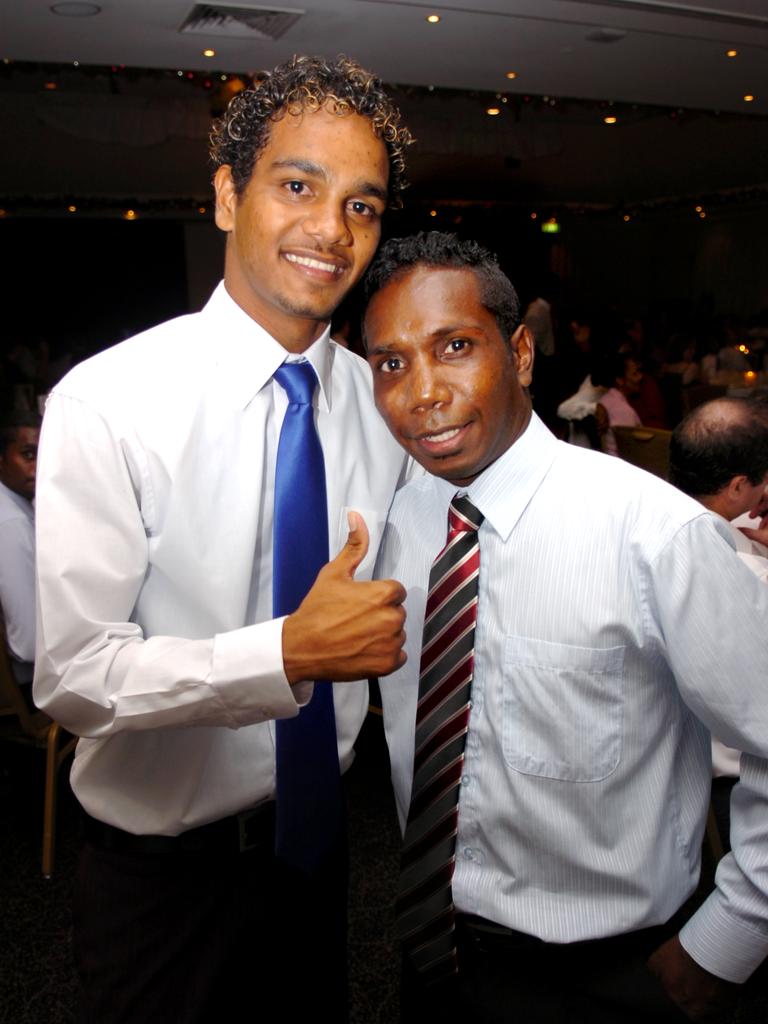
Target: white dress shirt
{"x":154,"y":505}
{"x":725,"y":760}
{"x":17,"y":580}
{"x":615,"y":626}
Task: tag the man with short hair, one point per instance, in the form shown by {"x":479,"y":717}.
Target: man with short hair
{"x":569,"y":646}
{"x":19,"y":437}
{"x":180,"y":479}
{"x":719,"y":455}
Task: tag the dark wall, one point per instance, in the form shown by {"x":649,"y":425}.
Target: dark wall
{"x":89,"y":283}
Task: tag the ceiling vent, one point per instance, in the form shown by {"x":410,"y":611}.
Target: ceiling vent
{"x":239,"y":21}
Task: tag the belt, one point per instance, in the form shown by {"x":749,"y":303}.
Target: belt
{"x":487,"y":936}
{"x":249,"y":830}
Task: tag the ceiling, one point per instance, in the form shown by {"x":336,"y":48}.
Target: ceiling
{"x":669,"y":52}
{"x":684,"y":127}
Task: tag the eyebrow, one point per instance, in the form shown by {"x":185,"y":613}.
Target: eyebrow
{"x":365,"y":188}
{"x":441,"y":332}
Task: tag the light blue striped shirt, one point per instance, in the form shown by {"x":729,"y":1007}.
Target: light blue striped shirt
{"x":616,"y":626}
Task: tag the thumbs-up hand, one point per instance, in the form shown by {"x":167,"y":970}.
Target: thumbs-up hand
{"x":344,"y":629}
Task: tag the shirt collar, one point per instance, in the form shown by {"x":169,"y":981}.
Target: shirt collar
{"x":246,"y":356}
{"x":503,"y":491}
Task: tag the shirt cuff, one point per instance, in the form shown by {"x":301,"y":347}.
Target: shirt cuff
{"x":721,"y":945}
{"x":248,"y":675}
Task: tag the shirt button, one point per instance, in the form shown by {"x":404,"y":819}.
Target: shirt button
{"x":465,"y":780}
{"x":469,"y":853}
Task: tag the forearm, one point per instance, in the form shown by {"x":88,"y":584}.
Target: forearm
{"x":123,"y":682}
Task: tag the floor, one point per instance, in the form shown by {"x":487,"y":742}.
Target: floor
{"x":37,"y":980}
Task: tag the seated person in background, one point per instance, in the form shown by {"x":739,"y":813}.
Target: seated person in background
{"x":621,"y":375}
{"x":19,"y":436}
{"x":719,"y":456}
{"x":549,"y":732}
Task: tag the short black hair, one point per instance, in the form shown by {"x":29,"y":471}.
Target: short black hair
{"x":717,"y":441}
{"x":307,"y":83}
{"x":12,"y":421}
{"x":399,"y":256}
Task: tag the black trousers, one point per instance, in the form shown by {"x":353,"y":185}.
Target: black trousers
{"x":191,"y":937}
{"x":515,"y":979}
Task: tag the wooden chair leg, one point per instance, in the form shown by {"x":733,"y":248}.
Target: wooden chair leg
{"x":49,"y":809}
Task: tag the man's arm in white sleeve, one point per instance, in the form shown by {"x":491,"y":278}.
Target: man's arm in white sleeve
{"x":714,"y":616}
{"x":95,"y":671}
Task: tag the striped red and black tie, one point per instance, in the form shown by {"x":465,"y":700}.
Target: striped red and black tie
{"x":425,"y":912}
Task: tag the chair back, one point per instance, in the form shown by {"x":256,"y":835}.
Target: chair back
{"x":646,"y":447}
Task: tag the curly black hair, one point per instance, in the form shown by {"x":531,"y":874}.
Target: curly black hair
{"x":442,"y":249}
{"x":307,"y":83}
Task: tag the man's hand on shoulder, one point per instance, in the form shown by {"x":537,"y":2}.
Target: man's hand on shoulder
{"x":700,"y":995}
{"x":344,"y":629}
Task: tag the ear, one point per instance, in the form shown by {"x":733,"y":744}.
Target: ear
{"x":521,"y":344}
{"x":734,"y":492}
{"x":226,"y":198}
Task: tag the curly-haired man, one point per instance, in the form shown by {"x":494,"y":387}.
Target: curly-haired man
{"x":180,"y":478}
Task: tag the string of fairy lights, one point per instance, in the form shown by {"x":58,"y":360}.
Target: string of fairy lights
{"x":221,"y":86}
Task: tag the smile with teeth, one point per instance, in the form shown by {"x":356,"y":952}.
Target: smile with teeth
{"x":313,"y":264}
{"x":445,"y":435}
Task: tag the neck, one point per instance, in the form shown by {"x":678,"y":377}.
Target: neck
{"x":295,"y":333}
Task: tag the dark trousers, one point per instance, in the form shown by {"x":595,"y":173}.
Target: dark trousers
{"x":509,"y":978}
{"x":190,"y":937}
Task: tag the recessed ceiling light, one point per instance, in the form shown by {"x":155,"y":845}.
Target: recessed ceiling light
{"x":493,"y":111}
{"x":129,"y":215}
{"x":72,"y":208}
{"x":610,"y":119}
{"x":511,"y":75}
{"x":748,"y":98}
{"x":50,"y":86}
{"x":433,"y":213}
{"x":209,"y":53}
{"x":731,"y":53}
{"x":627,"y":218}
{"x":433,"y":19}
{"x":75,"y":10}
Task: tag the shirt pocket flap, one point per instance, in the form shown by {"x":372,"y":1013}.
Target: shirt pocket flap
{"x":563,"y":709}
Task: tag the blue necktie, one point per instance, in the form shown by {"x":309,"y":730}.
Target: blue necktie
{"x":309,"y":800}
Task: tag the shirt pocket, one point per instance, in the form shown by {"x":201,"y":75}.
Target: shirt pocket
{"x":375,"y":523}
{"x":562,"y":709}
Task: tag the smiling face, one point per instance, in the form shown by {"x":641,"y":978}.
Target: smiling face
{"x":307,"y":224}
{"x":18,"y":463}
{"x":448,"y":384}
